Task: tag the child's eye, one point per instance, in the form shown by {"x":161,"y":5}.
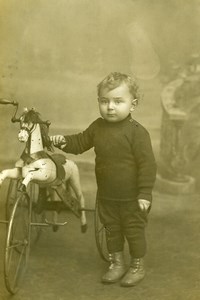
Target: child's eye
{"x":103,"y":101}
{"x":118,"y":101}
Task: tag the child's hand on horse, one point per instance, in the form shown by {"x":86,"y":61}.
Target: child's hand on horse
{"x":58,"y":140}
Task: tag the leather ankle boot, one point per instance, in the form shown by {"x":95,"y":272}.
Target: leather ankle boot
{"x":116,"y":269}
{"x":135,"y":273}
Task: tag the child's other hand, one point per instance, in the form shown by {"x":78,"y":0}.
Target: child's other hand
{"x":144,"y":204}
{"x":58,"y":140}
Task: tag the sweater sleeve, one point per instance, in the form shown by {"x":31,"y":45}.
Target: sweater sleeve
{"x":81,"y":142}
{"x":145,"y":161}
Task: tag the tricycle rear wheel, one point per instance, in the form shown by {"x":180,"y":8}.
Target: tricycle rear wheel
{"x":100,"y":235}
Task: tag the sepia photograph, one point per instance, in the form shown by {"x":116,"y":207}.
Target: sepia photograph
{"x":99,"y":149}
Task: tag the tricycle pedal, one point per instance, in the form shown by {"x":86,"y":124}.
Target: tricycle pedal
{"x":55,"y":223}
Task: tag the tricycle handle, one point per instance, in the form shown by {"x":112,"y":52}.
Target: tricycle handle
{"x":5,"y":101}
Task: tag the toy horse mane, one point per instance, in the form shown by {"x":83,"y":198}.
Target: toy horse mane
{"x":34,"y":117}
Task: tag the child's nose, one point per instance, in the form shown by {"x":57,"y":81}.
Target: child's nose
{"x":110,"y":105}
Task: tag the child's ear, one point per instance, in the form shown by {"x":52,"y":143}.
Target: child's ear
{"x":134,"y":103}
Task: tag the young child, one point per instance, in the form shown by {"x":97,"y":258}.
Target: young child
{"x":125,"y":172}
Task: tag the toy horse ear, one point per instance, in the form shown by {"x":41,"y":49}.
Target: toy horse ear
{"x":33,"y":108}
{"x":25,"y":109}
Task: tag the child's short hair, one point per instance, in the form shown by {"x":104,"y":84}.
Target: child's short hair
{"x":114,"y":79}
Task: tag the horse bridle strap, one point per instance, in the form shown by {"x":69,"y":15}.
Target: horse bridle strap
{"x":27,"y":158}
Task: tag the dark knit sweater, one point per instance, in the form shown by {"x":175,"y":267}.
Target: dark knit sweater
{"x":125,"y":165}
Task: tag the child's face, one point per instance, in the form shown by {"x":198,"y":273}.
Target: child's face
{"x":115,"y":105}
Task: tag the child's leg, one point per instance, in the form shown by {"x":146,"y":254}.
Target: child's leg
{"x":134,"y":223}
{"x":109,"y":216}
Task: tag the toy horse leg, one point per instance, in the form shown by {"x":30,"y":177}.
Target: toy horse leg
{"x":39,"y":175}
{"x":9,"y":173}
{"x":42,"y":170}
{"x":74,"y":182}
{"x":29,"y":177}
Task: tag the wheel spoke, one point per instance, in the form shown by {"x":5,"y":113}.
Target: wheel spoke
{"x":19,"y":265}
{"x":17,"y":242}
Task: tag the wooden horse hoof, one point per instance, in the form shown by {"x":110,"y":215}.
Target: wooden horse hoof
{"x":84,"y":228}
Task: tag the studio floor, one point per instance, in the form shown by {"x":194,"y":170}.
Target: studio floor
{"x":66,"y":264}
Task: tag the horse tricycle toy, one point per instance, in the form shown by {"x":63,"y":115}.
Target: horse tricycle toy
{"x":39,"y":182}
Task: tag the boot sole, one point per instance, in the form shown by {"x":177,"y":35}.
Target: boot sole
{"x":131,"y":284}
{"x":111,"y":281}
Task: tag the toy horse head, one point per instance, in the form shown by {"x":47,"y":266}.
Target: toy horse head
{"x":28,"y":123}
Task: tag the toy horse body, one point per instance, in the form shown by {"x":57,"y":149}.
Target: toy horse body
{"x":36,"y":165}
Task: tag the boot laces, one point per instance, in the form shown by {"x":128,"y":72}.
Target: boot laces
{"x":134,"y":268}
{"x":111,"y":259}
{"x":112,"y":265}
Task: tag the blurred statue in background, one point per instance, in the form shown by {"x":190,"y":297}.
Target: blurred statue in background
{"x":180,"y":138}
